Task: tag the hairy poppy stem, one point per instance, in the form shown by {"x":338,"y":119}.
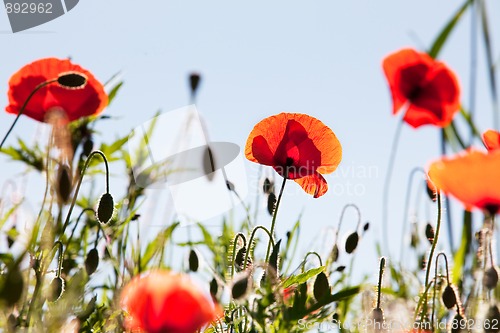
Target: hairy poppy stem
{"x":307,"y":255}
{"x":68,"y":242}
{"x":273,"y":223}
{"x":387,"y":184}
{"x":251,"y":240}
{"x":235,"y":242}
{"x":21,"y":111}
{"x":380,"y":276}
{"x":87,"y":162}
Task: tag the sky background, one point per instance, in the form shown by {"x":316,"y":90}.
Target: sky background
{"x":257,"y":59}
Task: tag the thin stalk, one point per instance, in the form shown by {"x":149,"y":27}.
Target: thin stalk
{"x":447,"y":200}
{"x":273,"y":223}
{"x":252,"y":235}
{"x":235,"y":242}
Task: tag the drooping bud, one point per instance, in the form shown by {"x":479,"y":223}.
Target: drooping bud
{"x":64,"y":183}
{"x":268,"y":186}
{"x":352,"y":242}
{"x":429,"y":233}
{"x":56,"y":289}
{"x":72,"y":80}
{"x":449,"y":297}
{"x":194,"y":263}
{"x":194,"y":81}
{"x":431,"y":190}
{"x":321,"y":286}
{"x":92,"y":261}
{"x":335,"y":253}
{"x":239,"y":259}
{"x":88,"y":146}
{"x":366,"y":226}
{"x":214,"y":287}
{"x":340,"y":269}
{"x":490,"y":278}
{"x":105,"y":208}
{"x":271,"y":203}
{"x":11,"y":287}
{"x":240,"y":286}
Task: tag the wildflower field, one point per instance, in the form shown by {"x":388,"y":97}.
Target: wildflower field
{"x":88,"y":243}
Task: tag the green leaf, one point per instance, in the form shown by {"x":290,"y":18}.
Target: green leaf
{"x":157,"y":244}
{"x":8,"y":214}
{"x":303,"y":277}
{"x":114,"y":91}
{"x":448,"y":28}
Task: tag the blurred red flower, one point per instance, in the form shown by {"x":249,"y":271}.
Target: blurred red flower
{"x":298,"y":147}
{"x":472,"y":177}
{"x":75,"y":103}
{"x":491,"y":139}
{"x":427,"y":88}
{"x":162,"y":301}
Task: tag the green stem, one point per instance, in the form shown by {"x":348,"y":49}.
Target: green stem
{"x":87,"y":162}
{"x":252,"y":235}
{"x":307,"y":255}
{"x":21,"y":111}
{"x":235,"y":242}
{"x":273,"y":223}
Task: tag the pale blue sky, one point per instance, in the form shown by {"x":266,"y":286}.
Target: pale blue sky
{"x":257,"y":59}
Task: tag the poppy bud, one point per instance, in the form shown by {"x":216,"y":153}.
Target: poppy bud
{"x":92,"y":261}
{"x":105,"y":208}
{"x":240,"y":257}
{"x":72,"y":80}
{"x":194,"y":81}
{"x":335,"y":253}
{"x":340,"y":269}
{"x":64,"y":183}
{"x":240,"y":287}
{"x":492,"y":318}
{"x":56,"y":289}
{"x":366,"y":226}
{"x":88,"y":146}
{"x":458,"y":324}
{"x":352,"y":242}
{"x":12,"y":287}
{"x":230,"y":185}
{"x":431,"y":191}
{"x":429,"y":233}
{"x":209,"y":164}
{"x":273,"y":259}
{"x":377,"y":315}
{"x":335,"y":318}
{"x":490,"y":278}
{"x":321,"y":286}
{"x":268,"y":186}
{"x":271,"y":203}
{"x":194,"y":263}
{"x":449,"y":297}
{"x":214,"y":287}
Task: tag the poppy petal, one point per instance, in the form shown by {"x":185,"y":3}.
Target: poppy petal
{"x":491,"y":139}
{"x":314,"y":184}
{"x":472,"y":177}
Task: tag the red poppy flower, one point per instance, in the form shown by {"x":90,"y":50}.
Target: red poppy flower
{"x":76,"y":103}
{"x":162,"y":301}
{"x":472,"y":177}
{"x":298,"y":147}
{"x":491,"y":139}
{"x":427,"y":88}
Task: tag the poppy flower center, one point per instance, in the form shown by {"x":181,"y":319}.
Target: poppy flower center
{"x":414,"y":93}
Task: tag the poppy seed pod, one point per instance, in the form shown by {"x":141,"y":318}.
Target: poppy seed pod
{"x":64,"y":183}
{"x":240,"y":286}
{"x":352,"y":242}
{"x":429,"y":233}
{"x":72,"y":80}
{"x":12,"y":285}
{"x":194,"y":263}
{"x":92,"y":261}
{"x":449,"y":297}
{"x":321,"y":286}
{"x":492,"y":317}
{"x":105,"y":208}
{"x":271,"y":203}
{"x":56,"y":289}
{"x":490,"y":278}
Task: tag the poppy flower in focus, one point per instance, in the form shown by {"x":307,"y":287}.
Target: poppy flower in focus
{"x":162,"y":301}
{"x":298,"y":147}
{"x":426,"y":88}
{"x":472,"y":177}
{"x":88,"y":100}
{"x":491,"y":139}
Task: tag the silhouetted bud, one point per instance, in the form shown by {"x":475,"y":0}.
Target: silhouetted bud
{"x":340,"y":269}
{"x":366,"y":226}
{"x":72,"y":80}
{"x":335,"y":253}
{"x":429,"y":233}
{"x":240,"y":287}
{"x":194,"y":81}
{"x":459,"y":324}
{"x":239,"y":259}
{"x":194,"y":263}
{"x":273,"y":259}
{"x":321,"y":286}
{"x":64,"y":183}
{"x":230,"y":185}
{"x":377,"y":315}
{"x":91,"y":261}
{"x":490,"y":278}
{"x":105,"y":208}
{"x":431,"y":191}
{"x":492,"y":320}
{"x":352,"y":242}
{"x":88,"y":146}
{"x":214,"y":287}
{"x":268,"y":186}
{"x":335,"y":318}
{"x":271,"y":203}
{"x":56,"y":289}
{"x":449,"y":297}
{"x":209,"y":164}
{"x":12,"y":287}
